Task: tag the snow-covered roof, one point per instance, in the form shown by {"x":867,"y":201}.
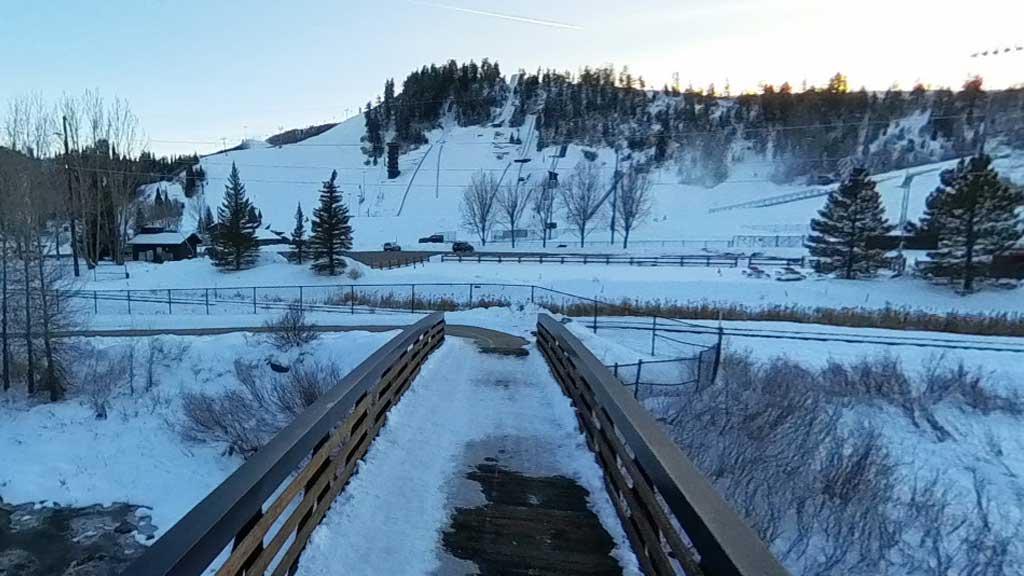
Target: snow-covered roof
{"x":268,"y":234}
{"x":158,"y":239}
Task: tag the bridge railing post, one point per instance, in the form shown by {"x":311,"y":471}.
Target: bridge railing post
{"x":636,"y":383}
{"x":654,"y":332}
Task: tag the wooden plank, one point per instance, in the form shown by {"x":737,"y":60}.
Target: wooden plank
{"x":646,"y":538}
{"x":357,"y":418}
{"x":645,"y":492}
{"x":423,"y":348}
{"x":662,"y":477}
{"x":233,"y":565}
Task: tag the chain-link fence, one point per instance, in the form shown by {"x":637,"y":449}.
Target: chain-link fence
{"x":669,"y":378}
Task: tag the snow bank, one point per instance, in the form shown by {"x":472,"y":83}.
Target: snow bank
{"x":61,"y":454}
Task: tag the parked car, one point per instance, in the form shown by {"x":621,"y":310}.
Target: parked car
{"x":392,"y":247}
{"x":462,"y":247}
{"x":754,"y":272}
{"x":432,"y":239}
{"x":788,"y":274}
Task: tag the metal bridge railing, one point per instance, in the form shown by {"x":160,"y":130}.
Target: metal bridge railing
{"x":675,"y":519}
{"x":324,"y":443}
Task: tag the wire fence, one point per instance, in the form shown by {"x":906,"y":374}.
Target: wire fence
{"x":672,"y":377}
{"x":720,"y":261}
{"x":419,"y":298}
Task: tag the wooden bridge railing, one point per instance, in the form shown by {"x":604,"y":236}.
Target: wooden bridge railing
{"x":248,"y":510}
{"x":673,"y":516}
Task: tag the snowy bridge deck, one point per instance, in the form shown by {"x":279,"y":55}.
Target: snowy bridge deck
{"x":480,"y":469}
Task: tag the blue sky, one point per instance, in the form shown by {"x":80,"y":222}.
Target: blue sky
{"x":218,"y":69}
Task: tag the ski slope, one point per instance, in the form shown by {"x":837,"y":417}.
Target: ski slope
{"x":425,"y":198}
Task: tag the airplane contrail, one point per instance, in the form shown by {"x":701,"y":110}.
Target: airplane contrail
{"x":512,"y":17}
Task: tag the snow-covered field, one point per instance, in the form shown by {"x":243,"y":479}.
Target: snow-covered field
{"x":61,"y":454}
{"x":611,"y":283}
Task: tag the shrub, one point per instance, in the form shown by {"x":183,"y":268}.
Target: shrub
{"x":291,"y":329}
{"x":355,"y":273}
{"x":247,"y":416}
{"x":827,"y":496}
{"x":102,"y":373}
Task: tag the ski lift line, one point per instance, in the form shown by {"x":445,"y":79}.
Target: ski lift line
{"x":413,"y":179}
{"x":798,"y":196}
{"x":383,"y":185}
{"x":650,"y":132}
{"x":810,"y":160}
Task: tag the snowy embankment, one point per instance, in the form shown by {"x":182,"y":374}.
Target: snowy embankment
{"x":719,"y":286}
{"x":390,"y":518}
{"x":61,"y":454}
{"x":969,"y":443}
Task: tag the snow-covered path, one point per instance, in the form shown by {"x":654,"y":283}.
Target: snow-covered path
{"x":464,"y":405}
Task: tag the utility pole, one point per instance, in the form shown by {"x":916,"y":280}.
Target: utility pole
{"x":615,"y":194}
{"x":71,"y":200}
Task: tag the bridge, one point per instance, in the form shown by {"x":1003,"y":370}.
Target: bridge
{"x":438,"y":456}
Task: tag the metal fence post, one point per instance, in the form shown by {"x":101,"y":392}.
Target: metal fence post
{"x":169,"y":310}
{"x":615,"y":371}
{"x":352,"y":298}
{"x":207,"y":296}
{"x":532,"y":291}
{"x":595,"y":316}
{"x":95,"y":303}
{"x":718,"y":356}
{"x":412,"y":305}
{"x":129,"y":293}
{"x":636,"y":383}
{"x":253,"y":299}
{"x":470,"y":296}
{"x":301,"y":304}
{"x":654,"y":332}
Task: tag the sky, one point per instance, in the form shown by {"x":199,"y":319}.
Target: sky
{"x":199,"y":73}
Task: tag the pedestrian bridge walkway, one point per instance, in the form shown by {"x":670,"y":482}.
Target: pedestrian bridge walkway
{"x":456,"y":457}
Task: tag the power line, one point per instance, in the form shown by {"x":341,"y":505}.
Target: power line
{"x":649,"y":132}
{"x":163,"y":177}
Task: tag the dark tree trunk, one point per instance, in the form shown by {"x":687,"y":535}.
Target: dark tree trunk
{"x":54,"y":386}
{"x":6,"y":352}
{"x":30,"y":371}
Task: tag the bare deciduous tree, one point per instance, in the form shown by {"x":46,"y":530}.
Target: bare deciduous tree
{"x":512,"y":204}
{"x":633,"y":202}
{"x":583,"y":198}
{"x":543,"y":208}
{"x":479,"y":204}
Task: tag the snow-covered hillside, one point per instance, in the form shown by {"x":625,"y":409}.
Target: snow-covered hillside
{"x":425,"y":198}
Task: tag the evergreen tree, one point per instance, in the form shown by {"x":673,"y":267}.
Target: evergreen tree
{"x":975,"y":217}
{"x":332,"y":234}
{"x":851,"y":215}
{"x":206,"y":221}
{"x":299,"y":234}
{"x":388,"y":104}
{"x":235,"y":245}
{"x":374,"y":136}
